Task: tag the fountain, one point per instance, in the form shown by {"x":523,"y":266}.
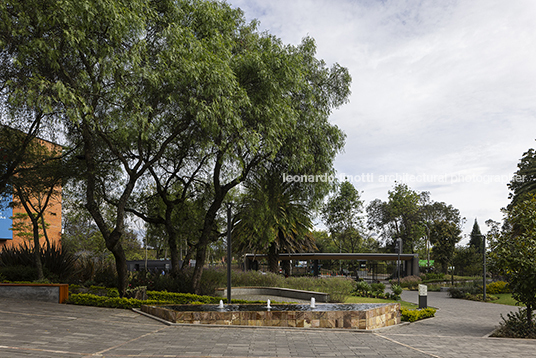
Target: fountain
{"x":352,"y":316}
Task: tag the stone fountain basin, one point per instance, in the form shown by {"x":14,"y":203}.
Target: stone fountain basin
{"x":366,"y":316}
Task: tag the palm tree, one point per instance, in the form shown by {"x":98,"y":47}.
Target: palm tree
{"x":273,"y":218}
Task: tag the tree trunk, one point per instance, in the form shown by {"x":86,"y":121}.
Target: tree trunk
{"x":206,"y":237}
{"x":113,"y":244}
{"x":286,"y":267}
{"x":200,"y":258}
{"x":45,"y":231}
{"x":529,"y":316}
{"x":173,"y":249}
{"x":273,"y":258}
{"x":37,"y":249}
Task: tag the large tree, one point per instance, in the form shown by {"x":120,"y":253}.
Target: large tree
{"x":513,"y":253}
{"x":399,"y":217}
{"x":523,"y":182}
{"x":342,"y":215}
{"x":128,"y":77}
{"x":272,"y":218}
{"x":476,"y":238}
{"x":137,"y":81}
{"x":444,"y":235}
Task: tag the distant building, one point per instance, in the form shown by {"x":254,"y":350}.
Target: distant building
{"x":152,"y":265}
{"x":8,"y":237}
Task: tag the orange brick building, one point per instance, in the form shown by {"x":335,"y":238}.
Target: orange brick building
{"x":52,"y":215}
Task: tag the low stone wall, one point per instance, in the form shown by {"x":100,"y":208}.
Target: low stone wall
{"x":57,"y":293}
{"x":379,"y":317}
{"x":276,"y":291}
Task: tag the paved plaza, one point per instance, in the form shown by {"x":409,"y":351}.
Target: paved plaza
{"x":460,"y":329}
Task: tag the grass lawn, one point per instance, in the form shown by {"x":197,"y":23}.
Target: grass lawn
{"x":354,"y":299}
{"x":505,"y":299}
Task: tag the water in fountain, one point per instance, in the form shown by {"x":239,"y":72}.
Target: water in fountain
{"x":268,"y":304}
{"x":221,"y":304}
{"x":313,"y":302}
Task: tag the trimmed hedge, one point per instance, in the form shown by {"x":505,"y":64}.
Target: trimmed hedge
{"x":88,"y":299}
{"x":408,"y":315}
{"x":153,"y":298}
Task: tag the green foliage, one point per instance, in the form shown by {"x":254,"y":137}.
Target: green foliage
{"x":464,"y":291}
{"x":516,"y":326}
{"x":153,"y":298}
{"x":377,"y":288}
{"x":94,"y":290}
{"x":412,"y":315}
{"x":432,"y":276}
{"x":480,"y":297}
{"x":399,"y":217}
{"x":523,"y":183}
{"x":497,"y":287}
{"x":410,"y":282}
{"x":18,"y":273}
{"x":58,"y":264}
{"x":343,"y":217}
{"x":273,"y":218}
{"x":397,"y":291}
{"x":337,"y":288}
{"x":513,"y":253}
{"x":467,"y":261}
{"x":363,"y":288}
{"x":444,"y":235}
{"x":255,"y":279}
{"x":476,"y":241}
{"x":88,"y":299}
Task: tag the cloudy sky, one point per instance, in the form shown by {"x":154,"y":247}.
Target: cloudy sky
{"x":443,"y":92}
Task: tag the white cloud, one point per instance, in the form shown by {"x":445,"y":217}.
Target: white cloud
{"x":439,"y":87}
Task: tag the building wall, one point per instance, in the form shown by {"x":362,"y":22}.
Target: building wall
{"x":52,"y":214}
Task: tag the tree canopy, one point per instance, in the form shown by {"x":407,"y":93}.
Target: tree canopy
{"x":185,"y":91}
{"x":513,"y":253}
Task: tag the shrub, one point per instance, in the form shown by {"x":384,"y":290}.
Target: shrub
{"x":462,"y":291}
{"x":412,"y":315}
{"x":410,"y":282}
{"x":19,"y":273}
{"x":362,"y":288}
{"x":58,"y":264}
{"x":377,"y":288}
{"x":432,"y":276}
{"x":257,"y":279}
{"x":106,"y":275}
{"x":497,"y":287}
{"x":516,"y":326}
{"x":480,"y":297}
{"x":154,"y":298}
{"x":397,"y":291}
{"x":88,"y":299}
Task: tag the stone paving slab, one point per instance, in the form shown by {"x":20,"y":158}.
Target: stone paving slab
{"x":41,"y":329}
{"x":460,"y":328}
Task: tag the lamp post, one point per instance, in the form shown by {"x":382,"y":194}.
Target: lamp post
{"x":427,"y":246}
{"x":398,"y":247}
{"x":484,"y":267}
{"x":229,"y":254}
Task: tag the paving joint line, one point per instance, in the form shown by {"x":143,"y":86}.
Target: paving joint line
{"x":406,"y":345}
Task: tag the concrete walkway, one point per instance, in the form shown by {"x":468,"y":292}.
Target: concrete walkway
{"x":37,"y":329}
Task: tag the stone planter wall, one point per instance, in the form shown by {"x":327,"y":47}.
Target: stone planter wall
{"x":384,"y":316}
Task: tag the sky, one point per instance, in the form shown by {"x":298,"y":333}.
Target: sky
{"x":443,"y":92}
